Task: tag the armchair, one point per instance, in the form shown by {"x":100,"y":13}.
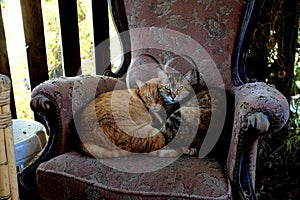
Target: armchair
{"x":214,"y":34}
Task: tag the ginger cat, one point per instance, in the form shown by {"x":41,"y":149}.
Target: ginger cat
{"x":118,"y":123}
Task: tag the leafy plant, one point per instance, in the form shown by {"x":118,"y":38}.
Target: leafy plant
{"x":275,"y":46}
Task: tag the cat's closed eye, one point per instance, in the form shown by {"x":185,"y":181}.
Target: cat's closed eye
{"x":148,"y":96}
{"x":180,"y":88}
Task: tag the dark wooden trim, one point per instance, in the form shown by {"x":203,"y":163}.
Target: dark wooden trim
{"x":70,"y":37}
{"x":35,"y":41}
{"x":48,"y":114}
{"x":101,"y":35}
{"x":242,"y":44}
{"x":4,"y":64}
{"x":120,"y":20}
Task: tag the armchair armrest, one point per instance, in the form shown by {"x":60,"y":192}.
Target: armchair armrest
{"x":54,"y":102}
{"x":259,"y":109}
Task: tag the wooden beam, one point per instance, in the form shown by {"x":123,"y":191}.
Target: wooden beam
{"x":101,"y":34}
{"x":4,"y":64}
{"x":70,"y":37}
{"x":35,"y":41}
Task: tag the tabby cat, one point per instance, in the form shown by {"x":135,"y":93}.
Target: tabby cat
{"x":118,"y":123}
{"x":177,"y":91}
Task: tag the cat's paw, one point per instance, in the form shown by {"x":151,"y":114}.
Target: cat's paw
{"x":257,"y":120}
{"x":166,"y":153}
{"x":190,"y":152}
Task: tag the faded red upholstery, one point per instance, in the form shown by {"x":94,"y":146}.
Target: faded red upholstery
{"x":212,"y":24}
{"x":185,"y":178}
{"x":91,"y":179}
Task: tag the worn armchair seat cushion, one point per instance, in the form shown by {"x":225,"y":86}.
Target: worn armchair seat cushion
{"x":76,"y":176}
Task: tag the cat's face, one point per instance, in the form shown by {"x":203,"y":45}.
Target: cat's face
{"x":150,"y":94}
{"x":175,"y":87}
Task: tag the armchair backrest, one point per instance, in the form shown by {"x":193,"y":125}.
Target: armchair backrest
{"x":211,"y":32}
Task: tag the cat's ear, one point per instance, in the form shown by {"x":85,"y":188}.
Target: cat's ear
{"x":162,"y":75}
{"x":190,"y":75}
{"x":168,"y":69}
{"x":201,"y":80}
{"x":140,"y":84}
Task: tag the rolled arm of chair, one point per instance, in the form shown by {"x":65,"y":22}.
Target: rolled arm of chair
{"x":54,"y":102}
{"x":259,"y":109}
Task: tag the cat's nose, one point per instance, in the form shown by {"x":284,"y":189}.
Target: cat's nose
{"x":173,"y":96}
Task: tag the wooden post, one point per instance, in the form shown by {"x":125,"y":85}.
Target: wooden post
{"x":70,"y":37}
{"x":101,"y":34}
{"x":4,"y":63}
{"x":4,"y":177}
{"x":8,"y":178}
{"x":35,"y":41}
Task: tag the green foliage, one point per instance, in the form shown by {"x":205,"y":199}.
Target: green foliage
{"x":53,"y":41}
{"x":85,"y":25}
{"x":275,"y":48}
{"x":296,"y":84}
{"x":52,"y":37}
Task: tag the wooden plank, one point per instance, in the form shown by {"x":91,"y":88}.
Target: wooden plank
{"x":35,"y":41}
{"x":4,"y":64}
{"x":101,"y":34}
{"x":70,"y":37}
